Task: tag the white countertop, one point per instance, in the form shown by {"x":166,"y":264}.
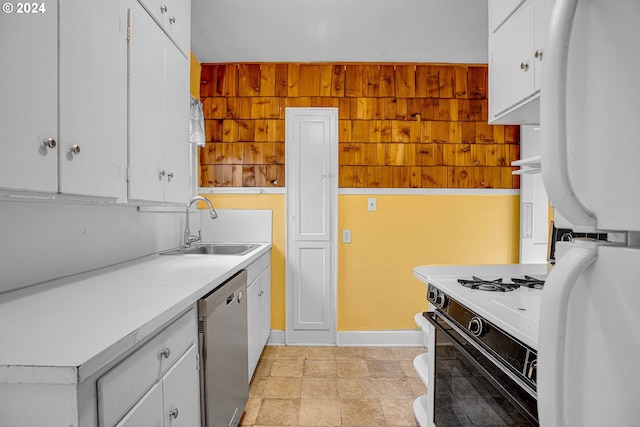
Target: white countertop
{"x":517,"y":312}
{"x":63,"y":331}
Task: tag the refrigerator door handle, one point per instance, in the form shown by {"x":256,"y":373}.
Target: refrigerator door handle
{"x":553,"y":330}
{"x":553,"y":119}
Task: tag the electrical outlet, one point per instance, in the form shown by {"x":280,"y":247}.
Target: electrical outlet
{"x":371,"y":204}
{"x":346,"y":236}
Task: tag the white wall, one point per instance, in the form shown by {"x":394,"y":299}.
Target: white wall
{"x":447,"y":31}
{"x":44,"y":240}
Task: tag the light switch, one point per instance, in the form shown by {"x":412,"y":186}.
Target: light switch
{"x":346,"y":236}
{"x":372,"y":204}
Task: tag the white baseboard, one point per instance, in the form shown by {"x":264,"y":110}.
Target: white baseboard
{"x":276,"y":337}
{"x":408,"y":338}
{"x":403,"y":338}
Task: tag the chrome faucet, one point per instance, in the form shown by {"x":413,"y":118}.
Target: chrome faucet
{"x":188,"y":237}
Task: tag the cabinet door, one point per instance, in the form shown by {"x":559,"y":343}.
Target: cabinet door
{"x":500,"y":10}
{"x":28,"y":99}
{"x":174,"y":17}
{"x":181,"y":387}
{"x":511,"y":62}
{"x":179,"y":24}
{"x":93,"y":98}
{"x":264,"y":326}
{"x":157,"y":9}
{"x":177,"y":101}
{"x":253,"y":325}
{"x":147,"y":412}
{"x":542,"y":15}
{"x":146,"y":107}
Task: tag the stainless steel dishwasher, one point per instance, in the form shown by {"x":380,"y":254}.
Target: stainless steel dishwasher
{"x":222,"y":334}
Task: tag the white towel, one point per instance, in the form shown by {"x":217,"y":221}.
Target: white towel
{"x":196,"y":123}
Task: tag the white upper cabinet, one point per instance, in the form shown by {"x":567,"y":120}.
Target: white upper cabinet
{"x":174,"y":17}
{"x":500,"y":10}
{"x":63,"y":103}
{"x":158,"y":114}
{"x":29,"y":101}
{"x":92,"y":136}
{"x":87,"y":113}
{"x":516,"y":47}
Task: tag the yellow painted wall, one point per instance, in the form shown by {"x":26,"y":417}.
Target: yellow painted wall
{"x":376,"y":287}
{"x":276,"y":203}
{"x":195,"y":72}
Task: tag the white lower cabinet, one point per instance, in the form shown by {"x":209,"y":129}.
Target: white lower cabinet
{"x":158,"y":384}
{"x":258,"y":308}
{"x":148,"y":410}
{"x":172,"y":401}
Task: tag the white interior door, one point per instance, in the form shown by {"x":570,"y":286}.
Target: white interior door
{"x":312,"y":183}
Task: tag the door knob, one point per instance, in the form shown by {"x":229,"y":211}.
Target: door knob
{"x":74,"y":149}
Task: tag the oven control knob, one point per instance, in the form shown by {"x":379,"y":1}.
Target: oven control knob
{"x":532,"y":372}
{"x":431,"y":294}
{"x":477,"y":326}
{"x":441,"y":300}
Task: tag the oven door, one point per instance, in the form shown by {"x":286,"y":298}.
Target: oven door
{"x":470,"y":388}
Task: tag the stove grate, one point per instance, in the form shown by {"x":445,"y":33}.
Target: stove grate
{"x":497,"y":285}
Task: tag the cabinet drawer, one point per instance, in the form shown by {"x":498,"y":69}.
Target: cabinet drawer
{"x":257,"y":267}
{"x":122,"y":386}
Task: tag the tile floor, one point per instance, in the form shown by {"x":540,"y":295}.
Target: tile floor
{"x":334,"y":386}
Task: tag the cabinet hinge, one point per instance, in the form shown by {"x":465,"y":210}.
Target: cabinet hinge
{"x":129,"y":19}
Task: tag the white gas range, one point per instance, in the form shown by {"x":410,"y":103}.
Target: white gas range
{"x":483,"y":338}
{"x":517,"y":311}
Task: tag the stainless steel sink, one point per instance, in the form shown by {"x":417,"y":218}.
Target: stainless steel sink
{"x":213,"y":249}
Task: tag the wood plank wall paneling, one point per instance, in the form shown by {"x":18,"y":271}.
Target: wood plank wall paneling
{"x":400,"y":126}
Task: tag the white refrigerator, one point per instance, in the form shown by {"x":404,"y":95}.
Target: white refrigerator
{"x":589,"y":342}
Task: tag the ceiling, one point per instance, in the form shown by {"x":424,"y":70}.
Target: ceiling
{"x":446,"y":31}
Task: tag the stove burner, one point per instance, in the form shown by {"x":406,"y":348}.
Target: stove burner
{"x":488,"y":285}
{"x":497,"y":285}
{"x":530,"y":282}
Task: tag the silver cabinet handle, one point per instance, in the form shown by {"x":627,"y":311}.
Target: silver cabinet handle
{"x":162,"y":173}
{"x":163,"y":8}
{"x":165,"y":353}
{"x":170,"y":175}
{"x":261,"y":293}
{"x":538,"y":54}
{"x":74,"y":149}
{"x":524,"y":66}
{"x":172,"y":20}
{"x":49,"y":143}
{"x":174,"y":413}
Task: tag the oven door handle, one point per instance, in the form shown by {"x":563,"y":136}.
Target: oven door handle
{"x":482,"y":350}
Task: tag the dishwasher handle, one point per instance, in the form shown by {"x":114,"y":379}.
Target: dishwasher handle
{"x":231,"y":298}
{"x":229,"y":291}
